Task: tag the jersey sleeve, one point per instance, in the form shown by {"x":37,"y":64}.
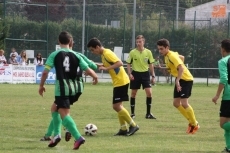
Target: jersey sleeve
{"x":50,"y":61}
{"x":82,"y":64}
{"x":130,"y":58}
{"x":223,"y":72}
{"x":151,"y":59}
{"x":90,"y":63}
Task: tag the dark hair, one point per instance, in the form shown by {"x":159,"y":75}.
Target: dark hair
{"x":39,"y":59}
{"x":65,"y":37}
{"x":163,"y":42}
{"x":94,"y":42}
{"x":225,"y":44}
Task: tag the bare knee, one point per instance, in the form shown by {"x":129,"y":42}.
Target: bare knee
{"x":176,"y":102}
{"x":117,"y":107}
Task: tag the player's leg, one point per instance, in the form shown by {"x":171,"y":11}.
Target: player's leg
{"x":148,"y":91}
{"x":56,"y":125}
{"x":134,"y":86}
{"x":69,"y":123}
{"x":185,"y":93}
{"x":48,"y":132}
{"x":225,"y":122}
{"x":50,"y":128}
{"x":147,"y":86}
{"x":73,"y":99}
{"x":121,"y":94}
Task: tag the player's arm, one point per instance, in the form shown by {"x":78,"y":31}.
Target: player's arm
{"x":90,"y":63}
{"x":151,"y":66}
{"x":84,"y":66}
{"x":115,"y":65}
{"x":129,"y":62}
{"x":48,"y":66}
{"x":181,"y":57}
{"x":223,"y":80}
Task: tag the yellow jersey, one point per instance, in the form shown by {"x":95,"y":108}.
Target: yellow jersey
{"x":118,"y":75}
{"x":172,"y":60}
{"x":140,"y":60}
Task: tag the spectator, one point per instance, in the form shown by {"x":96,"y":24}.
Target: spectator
{"x":22,"y":59}
{"x":13,"y":59}
{"x":38,"y":59}
{"x":2,"y":57}
{"x":13,"y":51}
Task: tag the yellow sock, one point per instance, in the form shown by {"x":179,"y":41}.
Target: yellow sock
{"x":191,"y":115}
{"x":122,"y":122}
{"x":183,"y":112}
{"x":125,"y":115}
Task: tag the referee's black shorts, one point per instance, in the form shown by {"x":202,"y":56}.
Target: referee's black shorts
{"x":140,"y":78}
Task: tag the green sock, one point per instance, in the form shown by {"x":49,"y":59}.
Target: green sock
{"x":226,"y":126}
{"x":56,"y":123}
{"x":69,"y":123}
{"x":227,"y":139}
{"x":50,"y":129}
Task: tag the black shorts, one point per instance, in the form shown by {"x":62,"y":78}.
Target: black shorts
{"x":186,"y":89}
{"x":225,"y":108}
{"x":120,"y":94}
{"x":140,"y":78}
{"x":66,"y":101}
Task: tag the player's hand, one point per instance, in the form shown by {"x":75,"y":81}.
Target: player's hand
{"x":214,"y":99}
{"x":99,"y":64}
{"x":102,"y":68}
{"x":178,"y":87}
{"x":95,"y":80}
{"x":41,"y":90}
{"x":131,"y":77}
{"x":153,"y":80}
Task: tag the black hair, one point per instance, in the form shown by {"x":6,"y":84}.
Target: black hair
{"x":163,"y":42}
{"x":225,"y":44}
{"x":94,"y":42}
{"x":65,"y":37}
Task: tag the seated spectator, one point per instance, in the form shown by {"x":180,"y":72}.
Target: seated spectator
{"x":22,"y":58}
{"x":13,"y":60}
{"x":13,"y":51}
{"x":38,"y":59}
{"x":2,"y":57}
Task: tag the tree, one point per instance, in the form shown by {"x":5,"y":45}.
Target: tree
{"x":56,"y":10}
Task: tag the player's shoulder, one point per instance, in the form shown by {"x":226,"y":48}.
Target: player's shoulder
{"x":147,"y":50}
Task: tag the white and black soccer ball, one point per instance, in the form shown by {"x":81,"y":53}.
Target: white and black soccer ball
{"x":90,"y":129}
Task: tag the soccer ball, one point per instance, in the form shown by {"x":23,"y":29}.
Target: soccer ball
{"x":90,"y":129}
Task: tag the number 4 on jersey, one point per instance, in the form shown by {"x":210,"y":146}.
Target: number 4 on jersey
{"x":66,"y":63}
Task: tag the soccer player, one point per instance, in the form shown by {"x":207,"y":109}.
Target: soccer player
{"x":224,"y":85}
{"x":142,"y":61}
{"x":66,"y":63}
{"x":114,"y":66}
{"x":93,"y":66}
{"x":183,"y":83}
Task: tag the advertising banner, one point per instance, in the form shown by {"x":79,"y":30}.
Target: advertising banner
{"x":23,"y":74}
{"x":51,"y":76}
{"x":5,"y":73}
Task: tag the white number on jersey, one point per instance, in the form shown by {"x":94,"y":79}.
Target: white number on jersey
{"x":66,"y":63}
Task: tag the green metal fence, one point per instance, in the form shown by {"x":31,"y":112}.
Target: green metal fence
{"x":36,"y":27}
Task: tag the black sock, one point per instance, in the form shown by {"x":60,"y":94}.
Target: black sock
{"x":148,"y":104}
{"x":132,"y":105}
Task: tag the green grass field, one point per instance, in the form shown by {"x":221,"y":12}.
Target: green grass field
{"x":24,"y":117}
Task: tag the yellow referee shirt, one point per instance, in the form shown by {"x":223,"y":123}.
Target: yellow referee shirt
{"x":172,"y":60}
{"x":140,"y":60}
